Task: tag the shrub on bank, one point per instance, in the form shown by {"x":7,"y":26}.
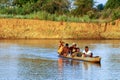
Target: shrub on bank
{"x":42,"y":15}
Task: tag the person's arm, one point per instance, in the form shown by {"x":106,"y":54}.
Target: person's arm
{"x":90,"y":53}
{"x":83,"y":52}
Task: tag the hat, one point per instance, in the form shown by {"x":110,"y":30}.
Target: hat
{"x":73,"y":43}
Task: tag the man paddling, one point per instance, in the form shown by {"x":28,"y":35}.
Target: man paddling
{"x":60,"y":48}
{"x":65,"y":50}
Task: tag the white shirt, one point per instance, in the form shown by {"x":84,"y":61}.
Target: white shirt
{"x":87,"y":53}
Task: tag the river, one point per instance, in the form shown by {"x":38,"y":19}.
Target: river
{"x":38,"y":60}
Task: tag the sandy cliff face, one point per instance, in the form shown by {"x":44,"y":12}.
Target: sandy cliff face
{"x":37,"y":29}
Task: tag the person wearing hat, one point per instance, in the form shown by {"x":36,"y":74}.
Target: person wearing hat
{"x":73,"y":48}
{"x":87,"y":52}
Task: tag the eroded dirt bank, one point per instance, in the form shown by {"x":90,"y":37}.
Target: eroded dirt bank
{"x":40,"y":29}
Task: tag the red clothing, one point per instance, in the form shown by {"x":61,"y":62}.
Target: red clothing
{"x":72,"y":49}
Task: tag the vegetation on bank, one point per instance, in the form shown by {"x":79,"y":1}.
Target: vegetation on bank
{"x":53,"y":17}
{"x":34,"y":19}
{"x":60,"y":10}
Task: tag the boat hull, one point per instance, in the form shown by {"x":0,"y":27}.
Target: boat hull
{"x":95,"y":59}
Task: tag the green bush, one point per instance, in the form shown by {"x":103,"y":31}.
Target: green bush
{"x":62,"y":18}
{"x":19,"y":11}
{"x":90,"y":14}
{"x":106,"y":13}
{"x":116,"y":14}
{"x":86,"y":18}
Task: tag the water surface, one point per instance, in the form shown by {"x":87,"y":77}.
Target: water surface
{"x":38,"y":60}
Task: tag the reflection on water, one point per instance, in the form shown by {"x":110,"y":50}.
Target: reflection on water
{"x":76,"y":69}
{"x":38,"y":60}
{"x":76,"y":63}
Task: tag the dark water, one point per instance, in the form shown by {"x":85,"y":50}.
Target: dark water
{"x":38,"y":60}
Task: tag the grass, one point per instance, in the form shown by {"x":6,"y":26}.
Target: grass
{"x":41,"y":15}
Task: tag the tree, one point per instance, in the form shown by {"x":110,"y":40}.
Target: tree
{"x":23,"y":2}
{"x":4,"y":3}
{"x":112,"y":4}
{"x":83,"y":6}
{"x":56,"y":6}
{"x":100,"y":7}
{"x":50,"y":6}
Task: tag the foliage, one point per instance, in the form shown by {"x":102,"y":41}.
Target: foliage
{"x":3,"y":1}
{"x":112,"y":4}
{"x":83,"y":6}
{"x":59,"y":10}
{"x":20,"y":3}
{"x":51,"y":6}
{"x":42,"y":15}
{"x":100,"y":7}
{"x":116,"y":14}
{"x":106,"y":13}
{"x":91,"y":14}
{"x":57,"y":6}
{"x":111,"y":14}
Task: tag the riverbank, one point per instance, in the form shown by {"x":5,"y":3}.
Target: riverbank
{"x":41,"y":29}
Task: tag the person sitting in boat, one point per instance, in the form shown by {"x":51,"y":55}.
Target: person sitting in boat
{"x":65,"y":50}
{"x":87,"y":52}
{"x":77,"y":53}
{"x":60,"y":47}
{"x":73,"y":48}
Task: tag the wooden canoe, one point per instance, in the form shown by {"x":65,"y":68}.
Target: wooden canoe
{"x":95,"y":59}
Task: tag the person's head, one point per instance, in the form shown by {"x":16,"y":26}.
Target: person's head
{"x":67,"y":44}
{"x":86,"y":48}
{"x":74,"y":44}
{"x":78,"y":49}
